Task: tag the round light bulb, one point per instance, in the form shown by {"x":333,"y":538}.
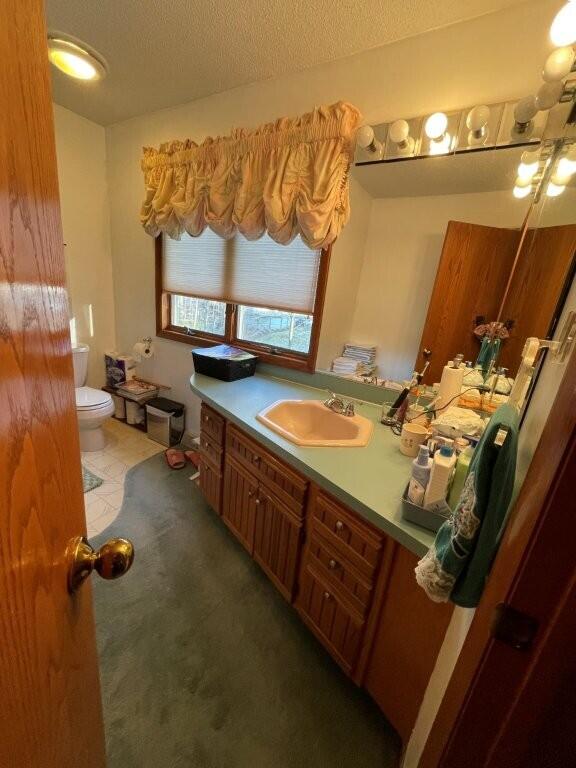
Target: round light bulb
{"x":399,"y":131}
{"x":365,"y":136}
{"x":553,"y":190}
{"x":436,"y":125}
{"x":563,"y":29}
{"x":528,"y":164}
{"x":523,"y":181}
{"x":525,"y":110}
{"x":521,"y":192}
{"x":549,"y":95}
{"x":74,"y":60}
{"x":478,"y":118}
{"x":559,"y":64}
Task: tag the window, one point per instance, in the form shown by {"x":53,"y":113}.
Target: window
{"x":258,"y":295}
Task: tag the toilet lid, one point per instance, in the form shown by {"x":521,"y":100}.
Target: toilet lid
{"x":88,"y":397}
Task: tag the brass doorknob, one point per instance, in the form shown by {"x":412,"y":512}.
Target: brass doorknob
{"x":112,"y":560}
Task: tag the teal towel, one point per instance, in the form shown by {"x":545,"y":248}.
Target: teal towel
{"x":458,"y":563}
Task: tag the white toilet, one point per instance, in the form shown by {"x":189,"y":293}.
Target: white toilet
{"x":93,"y":406}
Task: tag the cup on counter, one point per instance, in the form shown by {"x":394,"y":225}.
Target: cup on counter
{"x":412,"y":437}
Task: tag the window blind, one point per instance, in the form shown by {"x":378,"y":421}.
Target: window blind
{"x":258,"y":273}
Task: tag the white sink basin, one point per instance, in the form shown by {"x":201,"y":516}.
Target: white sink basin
{"x":310,"y":422}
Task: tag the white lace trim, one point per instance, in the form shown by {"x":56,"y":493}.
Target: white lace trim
{"x":433,"y":579}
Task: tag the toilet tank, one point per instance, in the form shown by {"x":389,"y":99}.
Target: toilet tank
{"x":80,"y":360}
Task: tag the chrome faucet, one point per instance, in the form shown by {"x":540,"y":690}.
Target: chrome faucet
{"x":338,"y":405}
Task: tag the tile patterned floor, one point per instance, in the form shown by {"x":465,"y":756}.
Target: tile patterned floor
{"x":125,"y":447}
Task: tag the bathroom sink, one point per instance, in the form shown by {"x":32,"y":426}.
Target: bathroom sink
{"x":310,"y":422}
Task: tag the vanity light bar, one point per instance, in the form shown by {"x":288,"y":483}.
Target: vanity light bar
{"x":481,"y":126}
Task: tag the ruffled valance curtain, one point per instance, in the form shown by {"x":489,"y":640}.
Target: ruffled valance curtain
{"x":286,"y":178}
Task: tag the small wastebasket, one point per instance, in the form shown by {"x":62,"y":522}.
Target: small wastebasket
{"x":165,"y":420}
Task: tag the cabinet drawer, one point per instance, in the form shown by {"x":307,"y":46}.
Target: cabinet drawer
{"x":210,"y":483}
{"x":356,"y":588}
{"x":212,"y":424}
{"x":211,"y":451}
{"x":283,"y":481}
{"x":338,"y":628}
{"x":353,"y":540}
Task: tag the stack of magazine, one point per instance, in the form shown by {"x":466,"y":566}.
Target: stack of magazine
{"x":137,"y":390}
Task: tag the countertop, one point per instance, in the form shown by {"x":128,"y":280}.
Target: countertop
{"x":370,"y":480}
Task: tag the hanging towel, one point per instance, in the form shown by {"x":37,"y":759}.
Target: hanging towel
{"x":458,"y":563}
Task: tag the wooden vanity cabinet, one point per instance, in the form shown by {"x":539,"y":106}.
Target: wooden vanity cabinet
{"x":352,"y":585}
{"x":263,"y":506}
{"x":340,"y":564}
{"x":240,"y":501}
{"x":277,"y":541}
{"x":211,"y":456}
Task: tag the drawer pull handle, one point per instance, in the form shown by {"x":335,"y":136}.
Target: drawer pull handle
{"x":256,"y":460}
{"x":257,"y":501}
{"x":327,"y":596}
{"x":332,"y":564}
{"x":251,"y":493}
{"x":340,"y":525}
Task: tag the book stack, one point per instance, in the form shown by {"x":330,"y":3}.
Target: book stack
{"x":356,"y":360}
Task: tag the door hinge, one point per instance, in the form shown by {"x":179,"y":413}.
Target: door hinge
{"x":514,"y":627}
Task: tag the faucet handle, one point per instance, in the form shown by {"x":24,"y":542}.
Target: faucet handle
{"x":349,"y":409}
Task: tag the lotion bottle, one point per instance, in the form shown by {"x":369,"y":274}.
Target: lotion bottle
{"x":440,"y":475}
{"x":421,"y":468}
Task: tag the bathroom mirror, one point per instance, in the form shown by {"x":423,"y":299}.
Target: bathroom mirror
{"x":449,"y":247}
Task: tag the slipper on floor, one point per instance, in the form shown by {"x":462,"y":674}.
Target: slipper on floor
{"x":193,"y":457}
{"x":175,"y":458}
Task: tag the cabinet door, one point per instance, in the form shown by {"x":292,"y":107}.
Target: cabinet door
{"x":210,"y":483}
{"x":239,"y":505}
{"x":335,"y":624}
{"x":277,"y":541}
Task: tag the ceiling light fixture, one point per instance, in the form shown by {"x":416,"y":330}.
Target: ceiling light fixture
{"x":75,"y":60}
{"x":563,"y":29}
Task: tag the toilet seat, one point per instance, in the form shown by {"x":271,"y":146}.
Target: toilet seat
{"x":90,"y":399}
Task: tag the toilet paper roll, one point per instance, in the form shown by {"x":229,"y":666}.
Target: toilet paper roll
{"x":450,"y":386}
{"x":143,"y":350}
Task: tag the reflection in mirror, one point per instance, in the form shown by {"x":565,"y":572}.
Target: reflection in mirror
{"x":456,"y":263}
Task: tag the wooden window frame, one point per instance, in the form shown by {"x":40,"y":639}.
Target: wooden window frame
{"x":274,"y":356}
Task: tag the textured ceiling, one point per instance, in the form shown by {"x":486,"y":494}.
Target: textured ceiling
{"x":166,"y":53}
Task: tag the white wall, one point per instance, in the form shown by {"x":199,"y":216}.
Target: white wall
{"x":403,"y":247}
{"x":465,"y":63}
{"x":81,"y":153}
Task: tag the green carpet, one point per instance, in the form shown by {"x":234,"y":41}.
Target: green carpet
{"x":203,"y":664}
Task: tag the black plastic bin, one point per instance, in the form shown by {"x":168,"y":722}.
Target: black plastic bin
{"x":224,"y":362}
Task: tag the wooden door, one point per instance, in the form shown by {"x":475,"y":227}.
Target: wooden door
{"x":470,"y":282}
{"x":50,"y":712}
{"x":277,"y":540}
{"x":239,"y":504}
{"x":545,"y":264}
